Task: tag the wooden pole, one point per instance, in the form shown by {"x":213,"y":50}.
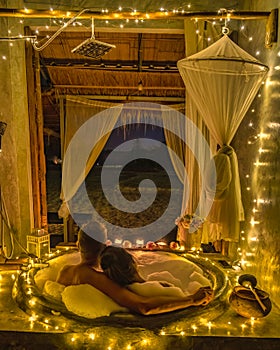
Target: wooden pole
{"x":40,"y":144}
{"x":68,"y":223}
{"x":168,"y":15}
{"x":33,"y":136}
{"x":62,"y":140}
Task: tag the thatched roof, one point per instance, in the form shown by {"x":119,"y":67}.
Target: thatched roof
{"x":139,"y":57}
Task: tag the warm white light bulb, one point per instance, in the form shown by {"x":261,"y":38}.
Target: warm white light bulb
{"x":253,"y":222}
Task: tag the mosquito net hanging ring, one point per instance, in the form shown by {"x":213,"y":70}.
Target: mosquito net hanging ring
{"x":225,"y":30}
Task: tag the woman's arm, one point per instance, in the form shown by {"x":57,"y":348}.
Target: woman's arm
{"x":157,"y":305}
{"x":140,"y":304}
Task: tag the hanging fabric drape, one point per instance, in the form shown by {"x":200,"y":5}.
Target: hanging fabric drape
{"x":227,"y":209}
{"x":75,"y":158}
{"x":193,"y":44}
{"x":223,"y":80}
{"x":174,"y":142}
{"x":183,"y":134}
{"x":178,"y":144}
{"x":78,"y":111}
{"x":191,"y":202}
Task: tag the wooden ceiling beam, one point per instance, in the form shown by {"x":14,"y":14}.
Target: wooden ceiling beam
{"x":115,"y":87}
{"x":126,"y":30}
{"x":134,"y":98}
{"x":120,"y":66}
{"x":117,"y":15}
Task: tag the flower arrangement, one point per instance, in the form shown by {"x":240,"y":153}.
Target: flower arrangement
{"x":192,"y":222}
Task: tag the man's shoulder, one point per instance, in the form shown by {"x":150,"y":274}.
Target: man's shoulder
{"x":66,"y":267}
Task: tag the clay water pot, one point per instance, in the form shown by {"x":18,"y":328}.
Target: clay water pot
{"x":244,"y":302}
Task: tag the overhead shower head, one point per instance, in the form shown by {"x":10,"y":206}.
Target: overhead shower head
{"x":93,"y":48}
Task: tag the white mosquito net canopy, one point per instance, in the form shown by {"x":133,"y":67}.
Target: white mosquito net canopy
{"x":222,"y":80}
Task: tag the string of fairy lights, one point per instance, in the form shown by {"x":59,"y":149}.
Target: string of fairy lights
{"x":261,"y":141}
{"x":223,"y":19}
{"x":54,"y":322}
{"x":249,"y":237}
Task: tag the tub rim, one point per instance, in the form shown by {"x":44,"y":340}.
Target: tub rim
{"x":25,"y":288}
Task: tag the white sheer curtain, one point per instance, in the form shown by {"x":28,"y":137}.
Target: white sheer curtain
{"x":78,"y":112}
{"x":191,"y":201}
{"x":174,"y":142}
{"x":184,"y":137}
{"x":178,"y":144}
{"x":222,"y":81}
{"x":194,"y":43}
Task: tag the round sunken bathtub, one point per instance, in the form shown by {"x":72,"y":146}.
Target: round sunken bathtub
{"x":29,"y":294}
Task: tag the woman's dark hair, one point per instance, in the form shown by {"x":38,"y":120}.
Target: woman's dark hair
{"x":119,"y":265}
